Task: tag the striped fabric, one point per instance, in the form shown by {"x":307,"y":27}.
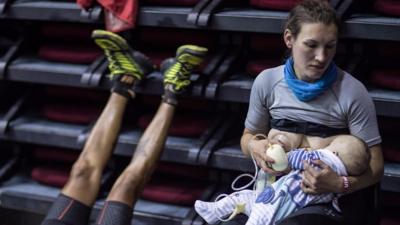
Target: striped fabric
{"x":297,"y":156}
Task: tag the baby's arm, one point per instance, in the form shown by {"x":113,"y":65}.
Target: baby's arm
{"x":297,"y":156}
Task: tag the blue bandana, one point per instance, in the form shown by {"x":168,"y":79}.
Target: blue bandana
{"x":306,"y":91}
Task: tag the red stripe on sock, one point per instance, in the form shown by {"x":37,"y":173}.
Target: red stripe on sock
{"x":102,"y":213}
{"x":66,"y":209}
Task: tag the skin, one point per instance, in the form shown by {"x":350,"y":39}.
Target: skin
{"x":313,"y":50}
{"x":84,"y":181}
{"x":326,"y":180}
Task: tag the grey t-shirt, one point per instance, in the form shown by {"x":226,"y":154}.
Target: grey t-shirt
{"x":346,"y":104}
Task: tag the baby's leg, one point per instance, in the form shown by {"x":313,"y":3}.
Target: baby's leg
{"x":261,"y":214}
{"x":213,"y":211}
{"x":276,"y":201}
{"x":266,"y":205}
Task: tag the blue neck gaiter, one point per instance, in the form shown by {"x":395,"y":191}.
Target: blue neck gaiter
{"x":306,"y":91}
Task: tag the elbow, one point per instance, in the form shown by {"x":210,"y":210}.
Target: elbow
{"x":243,"y":145}
{"x":380,"y":171}
{"x":377,"y":163}
{"x":244,"y":141}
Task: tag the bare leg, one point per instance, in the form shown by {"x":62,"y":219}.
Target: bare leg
{"x":80,"y":192}
{"x":130,"y":183}
{"x":84,"y":181}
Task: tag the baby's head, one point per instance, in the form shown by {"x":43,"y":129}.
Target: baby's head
{"x":353,"y":152}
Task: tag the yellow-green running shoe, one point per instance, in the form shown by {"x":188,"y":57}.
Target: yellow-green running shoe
{"x":177,"y":71}
{"x":122,"y":59}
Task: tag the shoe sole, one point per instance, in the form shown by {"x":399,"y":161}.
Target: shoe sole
{"x":192,"y":49}
{"x":109,"y":41}
{"x":113,"y":42}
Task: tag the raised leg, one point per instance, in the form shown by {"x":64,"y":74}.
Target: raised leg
{"x":78,"y":195}
{"x":129,"y":185}
{"x":84,"y":181}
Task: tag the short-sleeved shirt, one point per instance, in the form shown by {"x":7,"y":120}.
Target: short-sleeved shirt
{"x":346,"y":104}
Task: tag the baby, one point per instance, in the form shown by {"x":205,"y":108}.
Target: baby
{"x":345,"y":154}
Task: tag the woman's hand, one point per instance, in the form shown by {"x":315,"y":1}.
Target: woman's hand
{"x":258,"y":149}
{"x":320,"y":181}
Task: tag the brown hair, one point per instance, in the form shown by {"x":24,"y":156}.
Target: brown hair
{"x":311,"y":11}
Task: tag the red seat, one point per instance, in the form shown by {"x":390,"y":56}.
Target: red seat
{"x":390,"y":221}
{"x":284,"y":5}
{"x":388,"y":7}
{"x":68,"y":43}
{"x":265,"y":52}
{"x":55,"y":155}
{"x":69,"y":53}
{"x":256,"y":66}
{"x":184,"y":125}
{"x":191,"y":119}
{"x":176,"y":184}
{"x":173,"y":2}
{"x":388,"y":78}
{"x":66,"y":32}
{"x":52,"y":165}
{"x":53,"y":176}
{"x":173,"y":190}
{"x":184,"y":171}
{"x":190,"y":2}
{"x":158,"y":50}
{"x":76,"y":113}
{"x":150,"y":38}
{"x":200,"y":105}
{"x":391,"y":153}
{"x":81,"y":94}
{"x":72,"y":105}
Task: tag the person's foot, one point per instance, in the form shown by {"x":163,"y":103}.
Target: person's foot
{"x":126,"y":65}
{"x":178,"y":70}
{"x":231,"y":205}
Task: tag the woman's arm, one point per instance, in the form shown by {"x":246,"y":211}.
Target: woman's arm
{"x":373,"y":174}
{"x":256,"y":145}
{"x":326,"y":180}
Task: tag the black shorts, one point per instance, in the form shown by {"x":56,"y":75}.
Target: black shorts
{"x":68,"y":211}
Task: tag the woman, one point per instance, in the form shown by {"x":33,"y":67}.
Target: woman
{"x":311,"y":95}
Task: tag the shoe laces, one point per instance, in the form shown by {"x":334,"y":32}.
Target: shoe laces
{"x":120,"y":63}
{"x":178,"y":75}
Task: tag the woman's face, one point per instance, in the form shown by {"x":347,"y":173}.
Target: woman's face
{"x":313,"y":49}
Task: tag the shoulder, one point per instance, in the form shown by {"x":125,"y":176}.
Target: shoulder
{"x":350,"y":85}
{"x":268,"y":78}
{"x":349,"y":89}
{"x":352,"y":95}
